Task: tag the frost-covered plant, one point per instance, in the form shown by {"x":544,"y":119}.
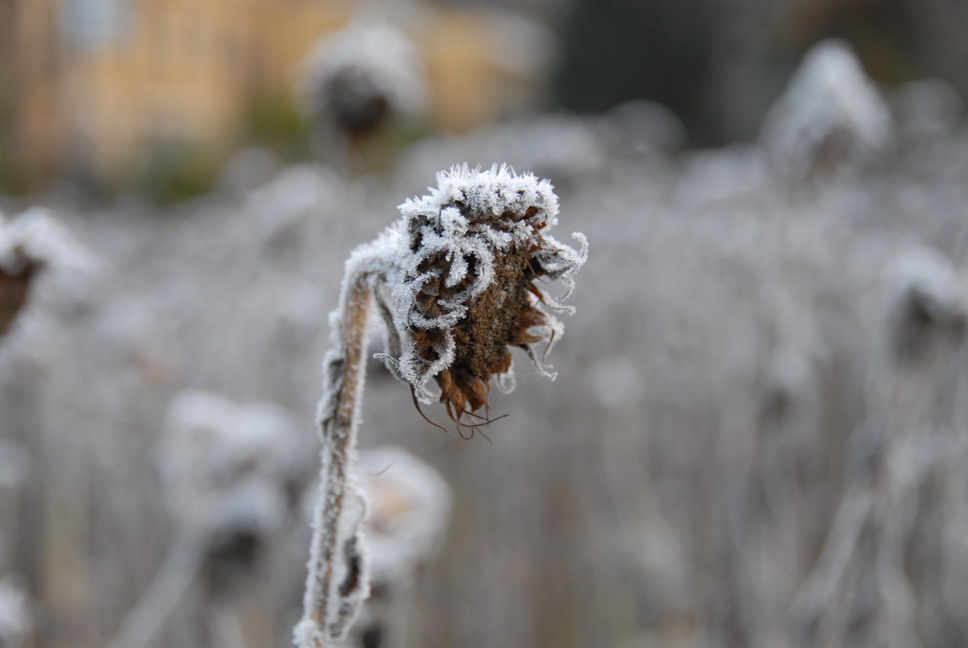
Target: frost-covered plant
{"x":212,"y":444}
{"x":28,"y":243}
{"x":230,"y":473}
{"x":22,"y":255}
{"x":926,"y":298}
{"x":830,"y":118}
{"x":455,"y":284}
{"x":409,"y":503}
{"x":409,"y":506}
{"x":357,"y":78}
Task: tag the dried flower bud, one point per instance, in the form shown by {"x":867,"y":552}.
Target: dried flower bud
{"x":464,"y":284}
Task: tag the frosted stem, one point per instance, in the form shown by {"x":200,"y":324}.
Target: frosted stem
{"x":336,"y":584}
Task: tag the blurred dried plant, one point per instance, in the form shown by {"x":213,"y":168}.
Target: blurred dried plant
{"x":28,"y":243}
{"x":358,"y":80}
{"x":831,"y":119}
{"x":232,"y":473}
{"x":409,"y":507}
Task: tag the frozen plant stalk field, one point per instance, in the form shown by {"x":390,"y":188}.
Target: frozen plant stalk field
{"x":757,"y":437}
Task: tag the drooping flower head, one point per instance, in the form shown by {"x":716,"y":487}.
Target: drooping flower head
{"x":464,"y":287}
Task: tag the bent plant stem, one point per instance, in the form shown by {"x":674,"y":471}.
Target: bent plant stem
{"x":325,"y":597}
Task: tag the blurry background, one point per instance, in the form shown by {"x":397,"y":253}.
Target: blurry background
{"x":758,"y":433}
{"x":155,"y":94}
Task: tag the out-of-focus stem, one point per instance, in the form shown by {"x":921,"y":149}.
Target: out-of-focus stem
{"x":339,"y":431}
{"x":158,"y":603}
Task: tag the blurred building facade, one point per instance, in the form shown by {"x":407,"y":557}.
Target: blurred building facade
{"x":86,"y":83}
{"x":88,"y":86}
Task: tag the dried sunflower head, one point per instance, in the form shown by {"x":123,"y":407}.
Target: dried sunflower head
{"x":463,"y":286}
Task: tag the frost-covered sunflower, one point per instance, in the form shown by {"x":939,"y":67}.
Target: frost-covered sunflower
{"x":456,"y":283}
{"x":457,"y":279}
